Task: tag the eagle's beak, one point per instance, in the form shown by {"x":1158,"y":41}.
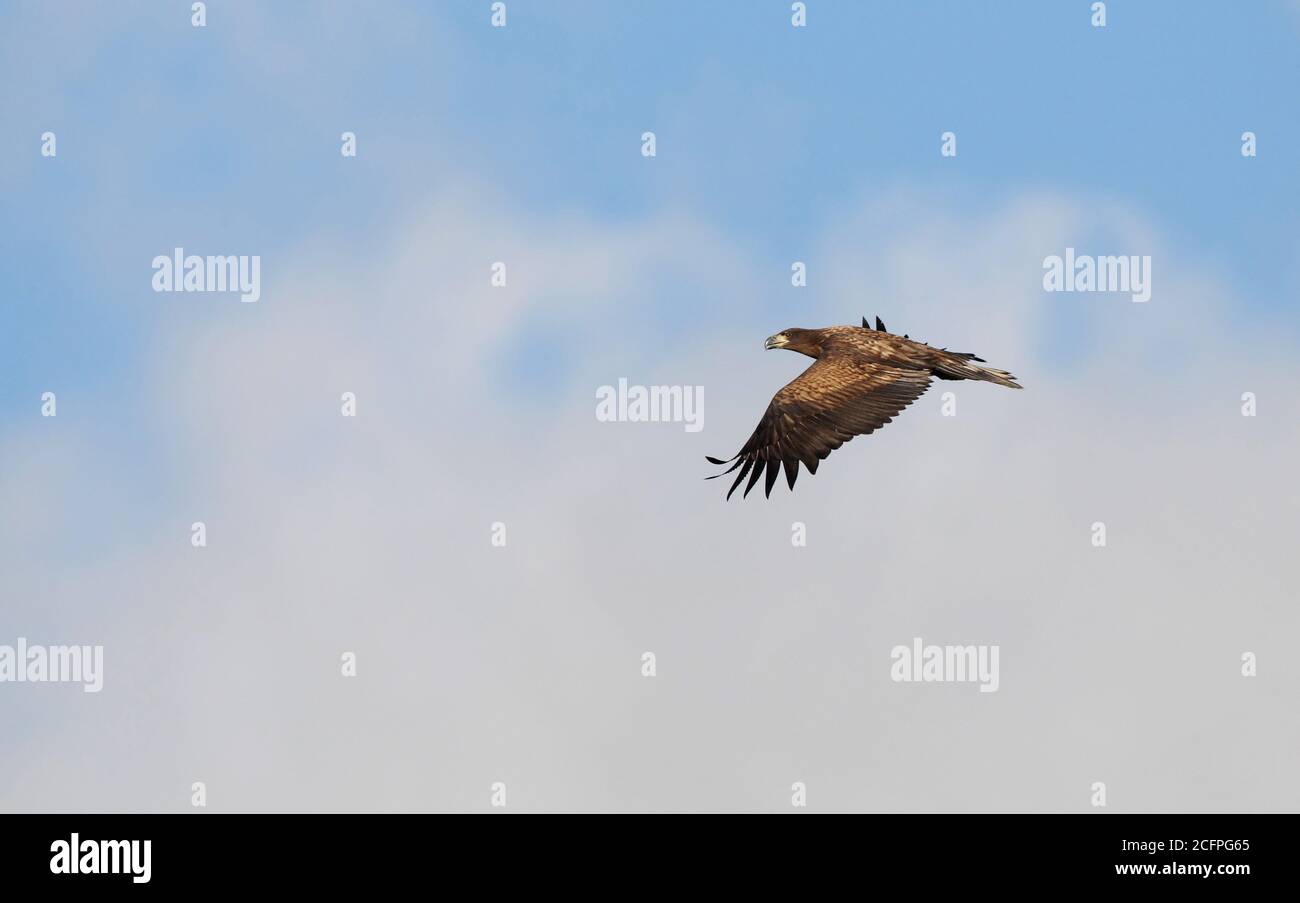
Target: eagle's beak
{"x":776,"y":341}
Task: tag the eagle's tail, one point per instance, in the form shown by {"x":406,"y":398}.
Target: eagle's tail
{"x":957,"y":365}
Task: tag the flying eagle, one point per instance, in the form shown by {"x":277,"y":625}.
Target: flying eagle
{"x":861,"y":379}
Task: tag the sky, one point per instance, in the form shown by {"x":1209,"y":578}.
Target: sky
{"x":522,"y":664}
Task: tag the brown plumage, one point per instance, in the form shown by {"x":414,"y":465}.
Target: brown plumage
{"x":861,"y":380}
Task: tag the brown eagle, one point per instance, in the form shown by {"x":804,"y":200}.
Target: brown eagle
{"x":861,"y":379}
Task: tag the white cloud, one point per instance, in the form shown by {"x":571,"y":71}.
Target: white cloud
{"x":522,"y":664}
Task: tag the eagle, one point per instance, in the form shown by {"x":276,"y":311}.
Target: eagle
{"x":860,"y":380}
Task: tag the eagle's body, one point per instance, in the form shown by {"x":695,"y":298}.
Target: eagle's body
{"x":861,"y":379}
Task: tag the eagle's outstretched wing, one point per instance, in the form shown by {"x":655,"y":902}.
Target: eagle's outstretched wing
{"x":828,"y":404}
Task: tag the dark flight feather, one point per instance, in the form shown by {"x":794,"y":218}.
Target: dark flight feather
{"x":791,"y":471}
{"x":749,"y":462}
{"x":753,"y":478}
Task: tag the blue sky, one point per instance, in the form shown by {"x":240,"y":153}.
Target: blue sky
{"x":763,"y":129}
{"x":225,"y":139}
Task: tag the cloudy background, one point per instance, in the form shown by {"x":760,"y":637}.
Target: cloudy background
{"x":476,"y":405}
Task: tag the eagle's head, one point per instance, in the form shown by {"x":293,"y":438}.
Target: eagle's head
{"x":804,"y":341}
